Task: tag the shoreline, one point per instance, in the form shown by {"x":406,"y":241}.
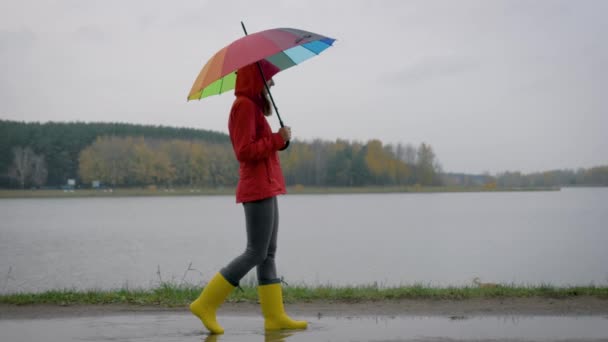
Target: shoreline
{"x":293,"y":190}
{"x":452,"y":309}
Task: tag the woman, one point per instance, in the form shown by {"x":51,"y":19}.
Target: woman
{"x":260,"y":181}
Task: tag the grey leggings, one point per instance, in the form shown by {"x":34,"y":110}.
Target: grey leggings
{"x":262,"y":221}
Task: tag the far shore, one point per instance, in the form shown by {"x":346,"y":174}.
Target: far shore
{"x":225,"y":191}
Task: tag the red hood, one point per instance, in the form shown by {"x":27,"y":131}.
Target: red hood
{"x":249,"y":81}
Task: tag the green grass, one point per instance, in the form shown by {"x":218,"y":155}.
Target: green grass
{"x":130,"y":192}
{"x":169,"y":295}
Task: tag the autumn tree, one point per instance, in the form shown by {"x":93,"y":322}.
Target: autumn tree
{"x":222,"y":166}
{"x":106,"y":160}
{"x":124,"y":161}
{"x":190,"y":161}
{"x":298,"y":164}
{"x":384,"y":165}
{"x":147,"y":166}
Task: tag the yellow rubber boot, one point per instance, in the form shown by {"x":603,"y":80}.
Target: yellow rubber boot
{"x":205,"y":306}
{"x":275,"y":318}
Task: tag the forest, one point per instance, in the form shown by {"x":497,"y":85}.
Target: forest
{"x":47,"y":155}
{"x":43,"y":155}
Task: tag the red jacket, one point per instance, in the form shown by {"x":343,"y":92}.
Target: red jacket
{"x":254,"y":143}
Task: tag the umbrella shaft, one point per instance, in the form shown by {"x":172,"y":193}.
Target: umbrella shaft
{"x":276,"y":110}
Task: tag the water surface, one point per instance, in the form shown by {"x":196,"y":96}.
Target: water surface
{"x":556,"y":237}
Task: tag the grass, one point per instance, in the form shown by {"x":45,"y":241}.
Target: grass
{"x":151,"y":191}
{"x":170,"y":295}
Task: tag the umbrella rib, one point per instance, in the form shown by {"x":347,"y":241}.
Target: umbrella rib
{"x":221,"y":85}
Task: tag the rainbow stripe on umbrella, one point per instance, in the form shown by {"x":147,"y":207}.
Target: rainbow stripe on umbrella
{"x":283,"y":47}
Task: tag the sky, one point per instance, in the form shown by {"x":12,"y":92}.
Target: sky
{"x":492,"y":86}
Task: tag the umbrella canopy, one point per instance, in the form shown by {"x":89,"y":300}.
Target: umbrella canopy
{"x":281,"y":47}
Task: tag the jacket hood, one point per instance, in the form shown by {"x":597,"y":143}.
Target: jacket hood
{"x":249,"y":82}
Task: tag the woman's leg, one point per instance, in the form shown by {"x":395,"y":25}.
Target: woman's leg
{"x":259,"y":218}
{"x":270,"y":291}
{"x":267,"y":270}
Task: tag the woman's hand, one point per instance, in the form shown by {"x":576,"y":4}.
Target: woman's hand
{"x":285,"y":133}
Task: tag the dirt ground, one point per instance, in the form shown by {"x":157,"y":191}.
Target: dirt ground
{"x":579,"y":306}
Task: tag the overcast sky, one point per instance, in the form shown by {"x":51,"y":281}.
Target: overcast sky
{"x":491,"y":85}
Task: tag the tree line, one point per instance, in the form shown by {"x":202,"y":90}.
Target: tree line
{"x":594,"y":176}
{"x":59,"y":145}
{"x":127,"y":155}
{"x":37,"y":155}
{"x":137,"y":161}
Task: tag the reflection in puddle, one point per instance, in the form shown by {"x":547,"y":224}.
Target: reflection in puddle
{"x":278,"y":336}
{"x":181,"y":327}
{"x":269,"y":336}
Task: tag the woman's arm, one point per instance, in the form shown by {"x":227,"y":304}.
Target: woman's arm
{"x":242,"y":133}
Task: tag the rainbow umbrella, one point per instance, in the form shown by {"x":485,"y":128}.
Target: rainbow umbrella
{"x":282,"y":47}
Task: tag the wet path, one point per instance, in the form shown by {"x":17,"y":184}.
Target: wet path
{"x":172,"y":326}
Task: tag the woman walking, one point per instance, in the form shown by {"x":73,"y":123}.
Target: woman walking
{"x":260,"y":181}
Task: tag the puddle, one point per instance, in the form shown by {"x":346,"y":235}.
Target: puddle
{"x":168,"y":327}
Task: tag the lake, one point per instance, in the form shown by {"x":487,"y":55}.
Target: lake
{"x":438,"y":239}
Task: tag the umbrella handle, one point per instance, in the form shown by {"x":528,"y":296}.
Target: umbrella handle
{"x":276,"y":110}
